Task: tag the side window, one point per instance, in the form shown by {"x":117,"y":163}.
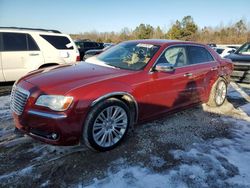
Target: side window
{"x":59,"y":42}
{"x":89,"y":45}
{"x":32,"y":46}
{"x":98,"y":45}
{"x":175,"y":56}
{"x":198,"y":54}
{"x":14,"y":42}
{"x":1,"y":42}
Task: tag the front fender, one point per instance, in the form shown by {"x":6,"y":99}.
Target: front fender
{"x":85,"y":97}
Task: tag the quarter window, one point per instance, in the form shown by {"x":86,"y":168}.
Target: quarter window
{"x":175,"y":56}
{"x":198,"y":54}
{"x":32,"y":46}
{"x":59,"y":42}
{"x":14,"y":42}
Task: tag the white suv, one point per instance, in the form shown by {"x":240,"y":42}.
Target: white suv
{"x":23,"y":50}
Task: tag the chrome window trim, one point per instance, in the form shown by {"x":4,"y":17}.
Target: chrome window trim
{"x":182,"y":45}
{"x":118,"y":93}
{"x":47,"y":115}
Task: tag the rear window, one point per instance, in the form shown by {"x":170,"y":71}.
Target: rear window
{"x":59,"y":42}
{"x":14,"y":42}
{"x":198,"y":54}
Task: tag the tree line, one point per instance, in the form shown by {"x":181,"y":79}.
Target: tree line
{"x":185,"y":29}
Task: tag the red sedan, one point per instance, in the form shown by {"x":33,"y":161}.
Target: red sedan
{"x":98,"y":101}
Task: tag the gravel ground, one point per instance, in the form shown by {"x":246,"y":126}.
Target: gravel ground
{"x":170,"y":145}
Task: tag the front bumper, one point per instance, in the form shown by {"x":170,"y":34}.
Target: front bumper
{"x":57,"y":128}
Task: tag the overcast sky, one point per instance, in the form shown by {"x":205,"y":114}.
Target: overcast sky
{"x":74,"y":16}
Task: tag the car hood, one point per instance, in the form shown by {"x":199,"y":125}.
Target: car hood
{"x":239,"y":58}
{"x":61,"y":79}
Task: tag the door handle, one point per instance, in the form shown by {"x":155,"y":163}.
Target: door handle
{"x":188,"y":74}
{"x":33,"y":54}
{"x":214,"y":68}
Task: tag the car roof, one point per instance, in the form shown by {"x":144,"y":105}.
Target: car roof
{"x":163,"y":42}
{"x":30,"y":30}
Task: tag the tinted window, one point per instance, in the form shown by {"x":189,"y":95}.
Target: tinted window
{"x":198,"y":54}
{"x":14,"y":42}
{"x":31,"y":43}
{"x":59,"y":42}
{"x":244,"y":49}
{"x":175,"y":56}
{"x":1,"y":43}
{"x":219,"y":50}
{"x":89,"y":45}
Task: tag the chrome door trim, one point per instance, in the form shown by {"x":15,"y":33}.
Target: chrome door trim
{"x":182,"y":45}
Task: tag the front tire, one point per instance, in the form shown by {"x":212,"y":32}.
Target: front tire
{"x":218,"y":93}
{"x":106,"y":125}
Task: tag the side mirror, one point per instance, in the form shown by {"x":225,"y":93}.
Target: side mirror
{"x":164,"y":67}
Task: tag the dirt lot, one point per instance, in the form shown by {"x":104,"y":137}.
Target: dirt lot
{"x":198,"y":147}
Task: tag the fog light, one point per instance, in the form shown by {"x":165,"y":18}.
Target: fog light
{"x":54,"y":136}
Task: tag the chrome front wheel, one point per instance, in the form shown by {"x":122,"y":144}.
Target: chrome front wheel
{"x":106,"y":124}
{"x":110,"y":126}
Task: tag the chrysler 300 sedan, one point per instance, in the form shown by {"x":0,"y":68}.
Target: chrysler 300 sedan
{"x":98,"y":101}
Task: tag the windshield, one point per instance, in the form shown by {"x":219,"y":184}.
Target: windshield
{"x":244,"y":49}
{"x":130,"y":55}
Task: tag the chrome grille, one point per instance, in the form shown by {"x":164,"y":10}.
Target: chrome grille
{"x":18,"y":99}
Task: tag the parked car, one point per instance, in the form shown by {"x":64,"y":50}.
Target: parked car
{"x":212,"y":45}
{"x":24,"y":49}
{"x":85,"y":45}
{"x":224,"y":51}
{"x":91,"y":53}
{"x":135,"y":81}
{"x":241,"y":61}
{"x":227,"y":51}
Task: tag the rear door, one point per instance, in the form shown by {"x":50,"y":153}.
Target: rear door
{"x":19,"y":56}
{"x":204,"y":69}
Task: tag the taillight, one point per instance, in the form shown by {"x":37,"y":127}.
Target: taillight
{"x":78,"y":58}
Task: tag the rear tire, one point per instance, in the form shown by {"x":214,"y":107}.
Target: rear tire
{"x":106,"y":125}
{"x":218,"y":93}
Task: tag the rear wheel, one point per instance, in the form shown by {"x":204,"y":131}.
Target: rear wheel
{"x":218,"y":93}
{"x":106,"y":125}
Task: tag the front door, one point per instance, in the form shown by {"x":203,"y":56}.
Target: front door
{"x":204,"y":69}
{"x":170,"y":90}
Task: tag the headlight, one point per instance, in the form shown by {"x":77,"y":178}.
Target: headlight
{"x":55,"y":102}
